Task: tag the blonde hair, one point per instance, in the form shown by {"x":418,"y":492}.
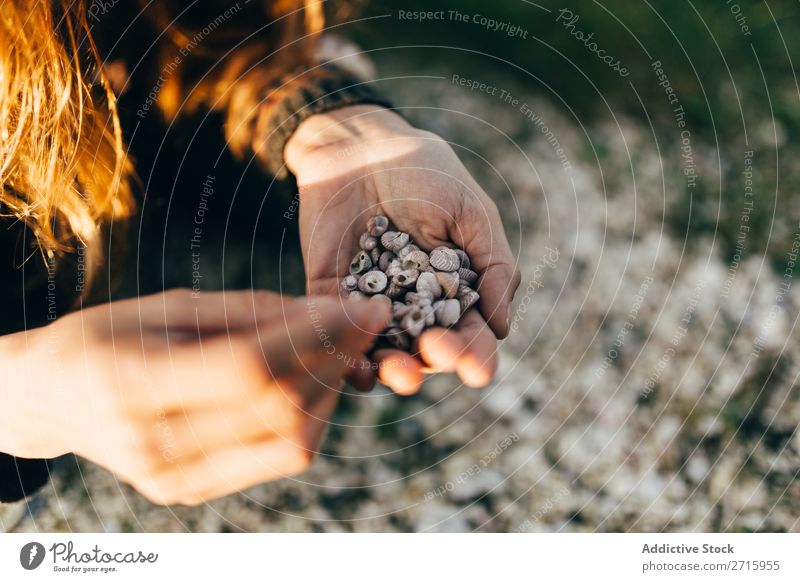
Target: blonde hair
{"x":64,"y":171}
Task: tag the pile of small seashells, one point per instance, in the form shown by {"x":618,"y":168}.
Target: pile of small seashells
{"x":423,"y":289}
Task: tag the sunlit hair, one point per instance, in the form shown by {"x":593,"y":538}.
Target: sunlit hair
{"x":63,"y":169}
{"x":63,"y":165}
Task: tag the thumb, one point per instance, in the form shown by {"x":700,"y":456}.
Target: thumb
{"x":479,"y":231}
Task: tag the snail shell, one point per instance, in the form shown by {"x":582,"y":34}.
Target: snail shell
{"x":393,"y":240}
{"x":463,"y":257}
{"x":348,"y":284}
{"x":372,"y":282}
{"x":377,"y":225}
{"x":467,"y":275}
{"x":413,"y":322}
{"x":444,"y":259}
{"x":427,"y":282}
{"x":395,"y":291}
{"x":375,"y":256}
{"x":449,"y":283}
{"x":399,"y":309}
{"x":416,"y":260}
{"x":447,"y":312}
{"x":367,"y":242}
{"x":385,"y":260}
{"x":406,"y":278}
{"x":406,"y":250}
{"x":394,"y":268}
{"x":396,"y":337}
{"x":419,"y":297}
{"x":468,"y":299}
{"x":360,"y":263}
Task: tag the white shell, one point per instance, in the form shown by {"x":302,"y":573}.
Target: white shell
{"x":393,"y":240}
{"x":447,"y":312}
{"x":377,"y":225}
{"x":427,"y":282}
{"x":372,"y":282}
{"x":360,"y":263}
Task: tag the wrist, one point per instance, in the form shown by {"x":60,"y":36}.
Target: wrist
{"x":342,"y":128}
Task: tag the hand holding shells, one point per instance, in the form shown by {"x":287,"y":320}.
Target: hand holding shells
{"x":425,"y":289}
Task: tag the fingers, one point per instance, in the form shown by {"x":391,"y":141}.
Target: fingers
{"x":361,"y":375}
{"x":469,"y":349}
{"x":184,"y":314}
{"x":480,"y":232}
{"x":400,"y":371}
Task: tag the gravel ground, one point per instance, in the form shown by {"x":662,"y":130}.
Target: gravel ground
{"x":647,"y":385}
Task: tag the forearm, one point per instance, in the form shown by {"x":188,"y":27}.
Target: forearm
{"x":27,"y":418}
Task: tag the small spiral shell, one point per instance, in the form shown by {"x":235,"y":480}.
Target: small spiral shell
{"x":375,"y":256}
{"x":413,"y":322}
{"x":447,"y":312}
{"x":427,"y":282}
{"x":372,"y":282}
{"x":449,"y":283}
{"x":377,"y":225}
{"x":463,"y":257}
{"x":467,"y":275}
{"x":416,"y":260}
{"x":444,"y":259}
{"x":360,"y":263}
{"x":406,"y":278}
{"x":348,"y":284}
{"x":468,"y":299}
{"x":367,"y":242}
{"x":393,"y":240}
{"x":395,"y":291}
{"x":406,"y":250}
{"x":385,"y":260}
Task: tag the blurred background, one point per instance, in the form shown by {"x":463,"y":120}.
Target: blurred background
{"x":650,"y":381}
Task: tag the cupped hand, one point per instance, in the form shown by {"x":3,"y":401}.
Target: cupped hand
{"x":191,"y":397}
{"x":359,"y":161}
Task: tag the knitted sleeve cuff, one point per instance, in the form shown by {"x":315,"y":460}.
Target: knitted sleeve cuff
{"x":321,"y":89}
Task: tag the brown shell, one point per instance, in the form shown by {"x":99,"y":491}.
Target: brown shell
{"x":449,"y":283}
{"x":444,"y":259}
